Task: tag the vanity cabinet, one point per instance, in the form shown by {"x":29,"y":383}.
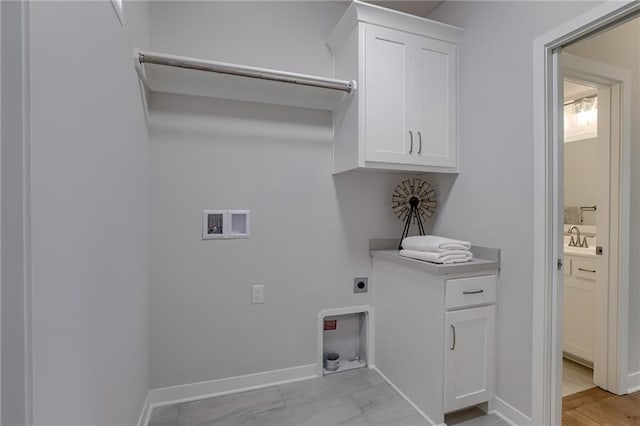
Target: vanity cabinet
{"x":579,"y":307}
{"x":403,"y":115}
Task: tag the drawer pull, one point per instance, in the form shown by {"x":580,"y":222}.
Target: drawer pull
{"x":587,"y":270}
{"x":476,"y":291}
{"x":453,"y":345}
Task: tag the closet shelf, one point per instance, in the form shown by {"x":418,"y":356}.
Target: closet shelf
{"x":166,"y":73}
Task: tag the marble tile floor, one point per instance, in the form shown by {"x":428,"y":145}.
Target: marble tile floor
{"x":356,"y":397}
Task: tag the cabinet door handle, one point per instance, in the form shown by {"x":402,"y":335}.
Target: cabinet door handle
{"x":420,"y":141}
{"x":587,"y":270}
{"x":473,"y":292}
{"x":411,"y":136}
{"x":453,"y":345}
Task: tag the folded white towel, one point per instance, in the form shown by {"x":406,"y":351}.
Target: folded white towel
{"x":451,"y":256}
{"x":434,"y":243}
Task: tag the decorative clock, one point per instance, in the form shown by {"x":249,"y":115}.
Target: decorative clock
{"x":414,"y":200}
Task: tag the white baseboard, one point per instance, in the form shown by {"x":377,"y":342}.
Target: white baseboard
{"x":509,"y":413}
{"x":633,"y":382}
{"x":405,"y":397}
{"x":143,"y":420}
{"x":208,"y":389}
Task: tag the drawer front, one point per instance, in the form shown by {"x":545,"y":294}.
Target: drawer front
{"x":584,"y":268}
{"x":471,"y":291}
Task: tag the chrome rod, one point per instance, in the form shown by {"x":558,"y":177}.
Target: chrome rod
{"x":411,"y":148}
{"x":243,"y":71}
{"x":420,"y":141}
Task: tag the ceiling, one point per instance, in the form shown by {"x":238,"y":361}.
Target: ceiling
{"x":574,"y":90}
{"x":413,"y":7}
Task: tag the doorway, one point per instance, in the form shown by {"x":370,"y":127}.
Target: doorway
{"x":549,"y":212}
{"x":582,"y":134}
{"x":593,"y":94}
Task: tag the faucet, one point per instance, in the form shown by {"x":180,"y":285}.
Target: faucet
{"x":578,"y":242}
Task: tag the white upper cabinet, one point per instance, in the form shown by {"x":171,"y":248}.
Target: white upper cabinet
{"x":403,"y":115}
{"x":435,"y":88}
{"x":388,"y":55}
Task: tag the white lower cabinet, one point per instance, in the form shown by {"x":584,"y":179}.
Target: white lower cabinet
{"x":469,"y":357}
{"x":434,"y":333}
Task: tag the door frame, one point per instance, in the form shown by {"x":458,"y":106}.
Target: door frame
{"x":15,"y":211}
{"x":547,"y":226}
{"x":1,"y":283}
{"x":615,"y":82}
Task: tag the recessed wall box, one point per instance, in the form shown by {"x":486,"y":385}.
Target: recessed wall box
{"x":225,"y":224}
{"x":239,"y":224}
{"x":213,"y":224}
{"x":345,"y":332}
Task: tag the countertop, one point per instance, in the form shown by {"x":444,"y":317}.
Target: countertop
{"x":580,"y":251}
{"x":476,"y":265}
{"x":484,"y":259}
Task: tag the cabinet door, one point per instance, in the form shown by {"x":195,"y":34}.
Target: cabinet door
{"x":578,"y":310}
{"x":436,"y":103}
{"x":387,"y":73}
{"x":469,"y":357}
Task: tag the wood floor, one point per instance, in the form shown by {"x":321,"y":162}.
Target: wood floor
{"x":575,"y":377}
{"x":597,"y":407}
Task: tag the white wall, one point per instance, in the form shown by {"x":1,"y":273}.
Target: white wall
{"x":89,"y":195}
{"x":491,"y":201}
{"x":620,"y":47}
{"x":309,"y":230}
{"x":580,"y":180}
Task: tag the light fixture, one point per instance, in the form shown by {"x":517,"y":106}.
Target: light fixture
{"x":585,"y":111}
{"x":581,"y":119}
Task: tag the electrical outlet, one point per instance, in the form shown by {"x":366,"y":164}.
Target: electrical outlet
{"x":360,"y":285}
{"x":257,"y":294}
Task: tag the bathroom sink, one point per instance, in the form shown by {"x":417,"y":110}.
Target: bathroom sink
{"x":584,"y":251}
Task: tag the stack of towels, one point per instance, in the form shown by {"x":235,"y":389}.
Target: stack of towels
{"x":436,"y":249}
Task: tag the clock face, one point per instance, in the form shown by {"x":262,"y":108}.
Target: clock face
{"x":416,"y":192}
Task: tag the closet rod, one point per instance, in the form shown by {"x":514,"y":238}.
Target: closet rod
{"x":243,"y":71}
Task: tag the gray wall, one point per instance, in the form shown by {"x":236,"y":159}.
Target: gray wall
{"x":310,"y":230}
{"x":89,"y":195}
{"x":580,"y":183}
{"x":14,"y":295}
{"x":621,"y":47}
{"x":491,"y":201}
{"x":225,"y":154}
